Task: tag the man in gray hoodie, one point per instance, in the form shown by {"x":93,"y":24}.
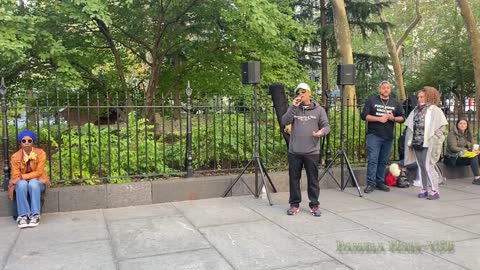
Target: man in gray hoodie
{"x":307,"y":122}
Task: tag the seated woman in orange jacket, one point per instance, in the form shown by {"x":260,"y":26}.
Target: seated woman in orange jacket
{"x":28,"y":179}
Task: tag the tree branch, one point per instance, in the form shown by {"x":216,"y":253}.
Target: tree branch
{"x":133,"y":38}
{"x":88,"y":74}
{"x":163,"y":25}
{"x":116,"y":54}
{"x":139,"y":55}
{"x":159,"y":29}
{"x":412,"y":25}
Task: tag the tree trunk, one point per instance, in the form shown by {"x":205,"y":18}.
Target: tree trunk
{"x":176,"y":86}
{"x":344,"y":46}
{"x":31,"y":110}
{"x":177,"y":102}
{"x":474,"y":36}
{"x":393,"y":51}
{"x":323,"y":57}
{"x":152,"y":89}
{"x":397,"y":67}
{"x":118,"y":61}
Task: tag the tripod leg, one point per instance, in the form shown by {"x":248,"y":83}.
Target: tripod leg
{"x":238,"y":177}
{"x":333,"y":177}
{"x":268,"y":177}
{"x":264,"y":180}
{"x":352,"y":175}
{"x":327,"y":169}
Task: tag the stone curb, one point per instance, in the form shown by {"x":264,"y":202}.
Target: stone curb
{"x":65,"y":199}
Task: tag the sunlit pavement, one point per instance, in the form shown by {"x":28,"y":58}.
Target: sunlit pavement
{"x":382,"y":230}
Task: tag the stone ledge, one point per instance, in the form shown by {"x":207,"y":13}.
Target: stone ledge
{"x":136,"y":193}
{"x":82,"y":198}
{"x":455,"y":172}
{"x":182,"y":189}
{"x":158,"y":191}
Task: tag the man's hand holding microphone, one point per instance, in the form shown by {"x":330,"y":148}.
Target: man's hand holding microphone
{"x":297,"y":101}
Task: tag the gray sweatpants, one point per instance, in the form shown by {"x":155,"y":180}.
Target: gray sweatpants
{"x":428,"y":173}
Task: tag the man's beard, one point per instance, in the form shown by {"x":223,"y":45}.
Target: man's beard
{"x":385,"y":96}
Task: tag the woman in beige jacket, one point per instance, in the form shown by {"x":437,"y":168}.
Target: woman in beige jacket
{"x":426,"y":126}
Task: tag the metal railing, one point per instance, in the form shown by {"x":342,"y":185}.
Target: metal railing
{"x":101,"y":139}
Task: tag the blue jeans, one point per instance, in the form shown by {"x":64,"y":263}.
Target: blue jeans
{"x":378,"y":151}
{"x":25,"y":189}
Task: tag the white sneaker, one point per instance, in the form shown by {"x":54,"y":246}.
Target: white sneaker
{"x":22,"y":222}
{"x":34,"y":221}
{"x":417,"y":183}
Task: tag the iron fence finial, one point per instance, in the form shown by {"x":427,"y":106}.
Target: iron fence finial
{"x":3,"y":88}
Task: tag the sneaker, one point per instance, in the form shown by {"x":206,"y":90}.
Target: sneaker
{"x":292,"y":211}
{"x":476,"y":181}
{"x":34,"y":221}
{"x":22,"y":222}
{"x":315,"y":211}
{"x":369,"y":188}
{"x":383,"y":187}
{"x":423,"y":194}
{"x":433,"y":196}
{"x":417,"y":183}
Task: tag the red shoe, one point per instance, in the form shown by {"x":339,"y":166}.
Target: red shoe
{"x":292,"y":211}
{"x":315,"y":211}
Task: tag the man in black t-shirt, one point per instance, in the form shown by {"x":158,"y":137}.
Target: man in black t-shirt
{"x":381,"y":113}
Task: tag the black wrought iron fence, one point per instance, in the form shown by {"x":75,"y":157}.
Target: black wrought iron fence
{"x":95,"y":139}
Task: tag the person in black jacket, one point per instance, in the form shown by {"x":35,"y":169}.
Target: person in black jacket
{"x":381,"y":113}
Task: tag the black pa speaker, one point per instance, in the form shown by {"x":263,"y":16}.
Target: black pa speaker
{"x":280,"y":103}
{"x":346,"y":74}
{"x":251,"y":72}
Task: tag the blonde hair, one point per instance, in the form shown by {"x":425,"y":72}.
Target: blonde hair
{"x":432,"y":95}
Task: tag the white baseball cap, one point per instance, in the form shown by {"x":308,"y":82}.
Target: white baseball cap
{"x":303,"y":86}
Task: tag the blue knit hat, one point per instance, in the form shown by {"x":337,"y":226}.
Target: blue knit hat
{"x":29,"y":133}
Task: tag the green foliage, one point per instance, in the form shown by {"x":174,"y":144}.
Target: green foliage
{"x":229,"y":141}
{"x":17,"y":34}
{"x":63,"y":46}
{"x":438,"y":53}
{"x":91,"y":153}
{"x":58,"y":46}
{"x":354,"y":130}
{"x":445,"y":69}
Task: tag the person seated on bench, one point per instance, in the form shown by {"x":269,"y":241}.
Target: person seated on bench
{"x":28,"y":179}
{"x":459,"y":141}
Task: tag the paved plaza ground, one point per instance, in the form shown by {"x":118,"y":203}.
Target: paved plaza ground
{"x":382,"y":230}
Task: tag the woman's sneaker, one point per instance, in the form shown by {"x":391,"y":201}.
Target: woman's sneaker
{"x":423,"y":194}
{"x":292,"y":211}
{"x":22,"y":222}
{"x":476,"y":181}
{"x":34,"y":221}
{"x":433,"y":196}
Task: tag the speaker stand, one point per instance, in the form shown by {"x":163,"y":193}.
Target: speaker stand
{"x":342,"y":154}
{"x":255,"y":161}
